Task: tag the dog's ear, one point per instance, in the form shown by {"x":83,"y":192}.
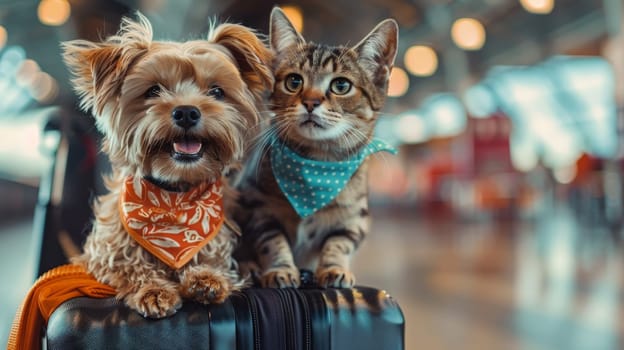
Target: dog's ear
{"x":251,"y":55}
{"x":98,"y":69}
{"x":97,"y":72}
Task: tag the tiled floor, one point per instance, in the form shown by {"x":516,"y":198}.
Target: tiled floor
{"x":17,"y":270}
{"x":547,"y":284}
{"x":543,"y":284}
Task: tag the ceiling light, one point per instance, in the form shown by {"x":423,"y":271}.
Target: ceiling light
{"x":399,"y":82}
{"x":468,"y":34}
{"x":53,"y":12}
{"x":3,"y":37}
{"x":421,"y":60}
{"x":294,"y":15}
{"x":540,"y":7}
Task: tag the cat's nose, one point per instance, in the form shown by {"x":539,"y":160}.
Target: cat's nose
{"x":310,"y":104}
{"x":186,"y":116}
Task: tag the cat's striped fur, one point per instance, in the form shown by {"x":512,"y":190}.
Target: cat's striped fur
{"x":315,"y":117}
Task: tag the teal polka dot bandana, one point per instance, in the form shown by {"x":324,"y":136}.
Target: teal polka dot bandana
{"x":310,"y":184}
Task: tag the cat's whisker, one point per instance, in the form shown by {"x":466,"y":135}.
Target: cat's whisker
{"x":265,"y":141}
{"x":353,"y":139}
{"x":260,"y":138}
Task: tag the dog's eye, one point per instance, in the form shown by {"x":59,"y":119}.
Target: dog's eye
{"x":293,"y":82}
{"x":153,"y":91}
{"x":216,"y":92}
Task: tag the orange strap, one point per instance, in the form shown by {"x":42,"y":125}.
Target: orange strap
{"x":51,"y":290}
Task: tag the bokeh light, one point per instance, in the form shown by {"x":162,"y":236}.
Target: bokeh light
{"x":540,"y":7}
{"x":468,"y":34}
{"x":565,"y":174}
{"x":421,"y":60}
{"x":26,"y":73}
{"x":411,"y":128}
{"x":399,"y":82}
{"x":480,"y":101}
{"x":11,"y":59}
{"x":44,"y":88}
{"x":445,"y":113}
{"x":294,"y":15}
{"x":3,"y":36}
{"x":53,"y":12}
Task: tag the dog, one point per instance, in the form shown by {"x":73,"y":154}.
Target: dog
{"x":175,"y":118}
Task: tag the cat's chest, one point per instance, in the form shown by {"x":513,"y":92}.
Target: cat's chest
{"x":310,"y":230}
{"x":338,"y":213}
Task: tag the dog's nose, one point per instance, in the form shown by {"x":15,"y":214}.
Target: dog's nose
{"x":186,"y":116}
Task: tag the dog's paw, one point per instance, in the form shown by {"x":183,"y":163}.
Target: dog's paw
{"x":335,"y":277}
{"x":281,"y":278}
{"x":206,"y":287}
{"x":155,"y":301}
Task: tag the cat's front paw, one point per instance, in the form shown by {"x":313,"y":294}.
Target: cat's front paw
{"x":280,"y":278}
{"x":155,"y":301}
{"x":335,"y":277}
{"x":206,"y":287}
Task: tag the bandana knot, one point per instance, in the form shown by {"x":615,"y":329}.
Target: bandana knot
{"x":173,"y":226}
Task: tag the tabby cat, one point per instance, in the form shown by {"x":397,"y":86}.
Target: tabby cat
{"x":304,"y":200}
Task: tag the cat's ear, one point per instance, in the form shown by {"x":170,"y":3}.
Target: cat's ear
{"x":377,"y":51}
{"x":282,"y":33}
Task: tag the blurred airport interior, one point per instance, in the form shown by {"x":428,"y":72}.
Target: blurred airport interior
{"x":498,"y":226}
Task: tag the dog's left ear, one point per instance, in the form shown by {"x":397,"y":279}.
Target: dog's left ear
{"x":98,"y":68}
{"x":97,"y":72}
{"x":251,"y":55}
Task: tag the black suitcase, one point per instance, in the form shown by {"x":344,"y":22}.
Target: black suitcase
{"x":254,"y":319}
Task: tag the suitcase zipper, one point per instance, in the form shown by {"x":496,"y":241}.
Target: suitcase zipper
{"x":307,"y":321}
{"x":288,"y":313}
{"x":254,"y":320}
{"x":289,"y":319}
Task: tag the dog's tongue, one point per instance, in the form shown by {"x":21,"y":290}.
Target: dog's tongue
{"x":187,"y":147}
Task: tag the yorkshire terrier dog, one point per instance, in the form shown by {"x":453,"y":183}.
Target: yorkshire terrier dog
{"x":174,"y":118}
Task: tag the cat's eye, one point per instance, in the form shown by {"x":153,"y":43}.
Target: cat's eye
{"x":340,"y":86}
{"x":153,"y":91}
{"x":216,"y":92}
{"x":293,"y":82}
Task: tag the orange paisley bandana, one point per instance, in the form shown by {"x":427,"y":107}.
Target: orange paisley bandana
{"x":173,"y":226}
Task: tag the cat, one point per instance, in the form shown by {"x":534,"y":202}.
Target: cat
{"x":324,"y":103}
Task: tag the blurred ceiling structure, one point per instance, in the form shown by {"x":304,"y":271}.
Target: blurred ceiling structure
{"x":514,"y":36}
{"x":451,"y":53}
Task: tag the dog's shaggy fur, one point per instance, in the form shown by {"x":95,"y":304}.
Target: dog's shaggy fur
{"x":132,"y":84}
